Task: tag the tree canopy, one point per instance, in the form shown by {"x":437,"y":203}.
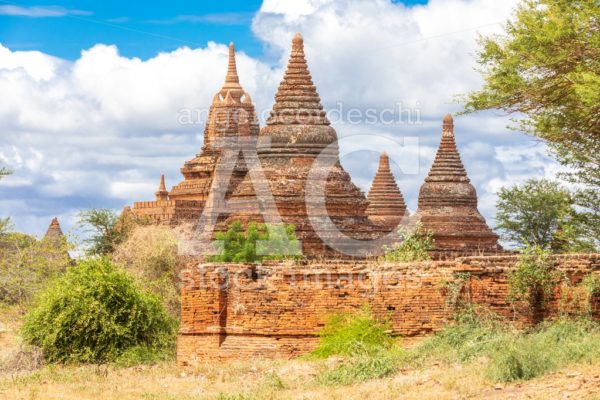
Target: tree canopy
{"x":541,"y":213}
{"x":545,"y":69}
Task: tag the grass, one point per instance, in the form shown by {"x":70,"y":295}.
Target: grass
{"x":512,"y":355}
{"x":465,"y":360}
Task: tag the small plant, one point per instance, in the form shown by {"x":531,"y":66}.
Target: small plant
{"x":353,"y":334}
{"x":414,"y":245}
{"x":534,"y":279}
{"x":257,"y":243}
{"x":591,"y":285}
{"x":96,"y":313}
{"x":454,"y":289}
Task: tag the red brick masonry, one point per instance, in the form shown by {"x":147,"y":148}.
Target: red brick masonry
{"x":244,"y":311}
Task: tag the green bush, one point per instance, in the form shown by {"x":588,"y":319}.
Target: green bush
{"x":96,"y":313}
{"x":259,"y":242}
{"x":353,"y":334}
{"x":414,"y":245}
{"x":533,"y":279}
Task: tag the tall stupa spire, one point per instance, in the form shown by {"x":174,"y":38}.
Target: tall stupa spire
{"x":448,"y":202}
{"x":162,"y":193}
{"x":232,"y":81}
{"x":297,"y":100}
{"x":386,"y":203}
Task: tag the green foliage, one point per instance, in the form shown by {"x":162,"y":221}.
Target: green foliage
{"x":360,"y":369}
{"x":96,"y":313}
{"x":473,"y":333}
{"x":4,"y":172}
{"x":5,"y":226}
{"x":353,"y":334}
{"x":367,"y":341}
{"x":27,"y":265}
{"x":414,"y":245}
{"x":511,"y":354}
{"x":542,"y":213}
{"x":591,"y":284}
{"x":258,"y":243}
{"x":533,"y":278}
{"x":546,"y":67}
{"x":107,"y":230}
{"x":548,"y":348}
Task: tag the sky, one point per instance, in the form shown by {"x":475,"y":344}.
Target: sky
{"x":96,"y":94}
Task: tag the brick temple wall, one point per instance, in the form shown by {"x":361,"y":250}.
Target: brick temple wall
{"x":245,"y":311}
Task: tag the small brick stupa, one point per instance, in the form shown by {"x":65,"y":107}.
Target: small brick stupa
{"x":296,"y":133}
{"x":231,"y":114}
{"x":448,"y":204}
{"x":54,"y":231}
{"x":387,"y":208}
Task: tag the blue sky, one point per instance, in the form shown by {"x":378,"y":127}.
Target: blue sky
{"x":94,"y":92}
{"x":140,"y":28}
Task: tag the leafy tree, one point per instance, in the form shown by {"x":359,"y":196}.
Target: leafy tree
{"x":107,"y":230}
{"x":546,"y":68}
{"x":541,"y":213}
{"x":415,"y":245}
{"x":259,"y":242}
{"x":28,"y":265}
{"x":96,"y":313}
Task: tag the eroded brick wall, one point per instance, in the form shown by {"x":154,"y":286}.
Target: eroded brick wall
{"x":275,"y":310}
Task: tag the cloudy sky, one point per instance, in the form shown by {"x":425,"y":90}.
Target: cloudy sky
{"x":96,"y":95}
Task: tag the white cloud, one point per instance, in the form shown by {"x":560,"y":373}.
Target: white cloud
{"x":39,"y":12}
{"x":98,"y":131}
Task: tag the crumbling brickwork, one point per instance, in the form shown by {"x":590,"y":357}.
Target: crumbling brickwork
{"x":276,"y":310}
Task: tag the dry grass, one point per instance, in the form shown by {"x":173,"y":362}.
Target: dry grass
{"x":295,"y":379}
{"x":285,"y":380}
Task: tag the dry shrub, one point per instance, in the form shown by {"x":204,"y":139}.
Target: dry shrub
{"x":150,"y":254}
{"x":24,"y":358}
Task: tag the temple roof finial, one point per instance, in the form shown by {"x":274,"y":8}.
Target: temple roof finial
{"x":161,"y":193}
{"x":232,"y":80}
{"x":448,"y":125}
{"x":232,"y":75}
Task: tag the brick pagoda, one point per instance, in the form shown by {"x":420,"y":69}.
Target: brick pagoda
{"x":448,"y":203}
{"x":386,"y":207}
{"x":296,"y":133}
{"x":230,"y":115}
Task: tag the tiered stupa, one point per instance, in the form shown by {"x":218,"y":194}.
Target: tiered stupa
{"x":297,"y":132}
{"x":54,"y":231}
{"x":387,"y":208}
{"x":448,"y":204}
{"x":231,"y":115}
